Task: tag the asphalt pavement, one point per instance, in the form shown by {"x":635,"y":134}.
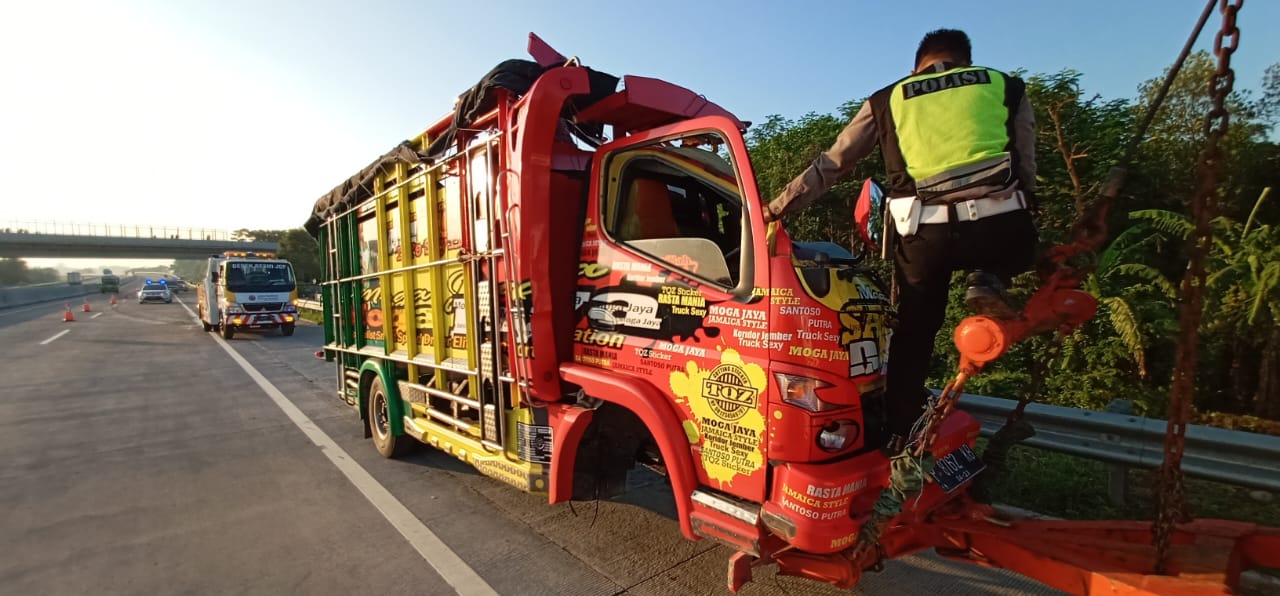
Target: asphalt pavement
{"x":140,"y":455}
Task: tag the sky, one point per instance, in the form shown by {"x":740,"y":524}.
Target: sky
{"x":240,"y":113}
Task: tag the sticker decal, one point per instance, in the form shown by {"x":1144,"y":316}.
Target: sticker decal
{"x":729,"y":392}
{"x":666,"y":312}
{"x":533,"y":443}
{"x":865,"y":334}
{"x":615,"y":310}
{"x":729,"y":425}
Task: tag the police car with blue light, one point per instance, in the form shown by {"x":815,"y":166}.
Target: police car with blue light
{"x":155,"y":291}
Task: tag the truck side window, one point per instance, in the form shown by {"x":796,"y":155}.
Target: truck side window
{"x":678,"y":202}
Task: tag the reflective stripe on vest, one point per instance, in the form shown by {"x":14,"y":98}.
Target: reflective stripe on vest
{"x":950,"y":120}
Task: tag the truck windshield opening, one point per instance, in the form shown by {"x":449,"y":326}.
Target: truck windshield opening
{"x":259,"y":277}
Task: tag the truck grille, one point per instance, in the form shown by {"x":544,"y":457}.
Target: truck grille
{"x":263,"y":306}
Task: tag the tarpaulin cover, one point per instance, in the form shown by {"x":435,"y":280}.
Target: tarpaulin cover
{"x":516,"y":76}
{"x":358,"y":188}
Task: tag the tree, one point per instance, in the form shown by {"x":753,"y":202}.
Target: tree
{"x":247,"y":235}
{"x":781,"y":149}
{"x":1163,"y":175}
{"x":190,"y":269}
{"x":12,"y":271}
{"x":43,"y":275}
{"x":1079,"y":138}
{"x":303,"y":252}
{"x":1244,"y":315}
{"x":1270,"y":102}
{"x":1240,"y":371}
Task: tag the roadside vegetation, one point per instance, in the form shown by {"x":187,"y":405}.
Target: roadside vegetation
{"x":15,"y":272}
{"x":1076,"y":488}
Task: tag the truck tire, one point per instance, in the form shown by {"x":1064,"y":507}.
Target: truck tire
{"x":227,"y":331}
{"x":207,"y":327}
{"x":388,"y":445}
{"x":286,"y":329}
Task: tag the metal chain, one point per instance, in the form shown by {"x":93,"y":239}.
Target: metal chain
{"x":1204,"y":203}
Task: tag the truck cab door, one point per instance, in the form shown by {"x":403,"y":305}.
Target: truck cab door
{"x":671,"y":288}
{"x":211,"y":284}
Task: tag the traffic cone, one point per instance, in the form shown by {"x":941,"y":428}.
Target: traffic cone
{"x":85,"y":308}
{"x":68,"y":317}
{"x":113,"y":300}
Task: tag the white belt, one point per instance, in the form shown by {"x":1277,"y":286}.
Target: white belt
{"x":973,"y":209}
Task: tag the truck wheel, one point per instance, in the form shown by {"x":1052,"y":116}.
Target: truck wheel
{"x":207,"y":327}
{"x":286,"y":329}
{"x":228,"y":331}
{"x":388,"y":445}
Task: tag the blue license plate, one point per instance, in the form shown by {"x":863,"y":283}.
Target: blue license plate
{"x":957,"y":468}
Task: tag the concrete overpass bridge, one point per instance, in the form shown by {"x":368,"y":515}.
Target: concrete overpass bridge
{"x":88,"y":240}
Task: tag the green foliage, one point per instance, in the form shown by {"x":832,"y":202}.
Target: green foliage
{"x":15,"y":272}
{"x":1270,"y":103}
{"x":245,"y":235}
{"x":1079,"y":134}
{"x":1163,"y":174}
{"x":192,"y":270}
{"x":301,"y":249}
{"x":781,"y":149}
{"x":43,"y":275}
{"x":1076,"y":488}
{"x":12,"y":272}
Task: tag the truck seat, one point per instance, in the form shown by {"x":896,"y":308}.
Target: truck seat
{"x":648,"y":212}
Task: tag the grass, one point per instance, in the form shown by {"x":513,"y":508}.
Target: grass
{"x":314,"y":316}
{"x":1076,"y":488}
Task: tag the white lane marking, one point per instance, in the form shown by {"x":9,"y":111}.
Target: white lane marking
{"x":96,"y":315}
{"x":435,"y":552}
{"x":56,"y":336}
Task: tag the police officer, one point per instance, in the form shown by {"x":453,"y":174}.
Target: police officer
{"x":959,"y":149}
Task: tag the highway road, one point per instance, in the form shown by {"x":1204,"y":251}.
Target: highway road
{"x":139,"y":455}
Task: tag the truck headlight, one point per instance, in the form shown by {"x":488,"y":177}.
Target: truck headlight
{"x":803,"y":392}
{"x":234,"y":309}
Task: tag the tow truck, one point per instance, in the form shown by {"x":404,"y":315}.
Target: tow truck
{"x":244,"y":290}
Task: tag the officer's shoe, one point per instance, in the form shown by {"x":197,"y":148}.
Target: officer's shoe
{"x":985,"y":295}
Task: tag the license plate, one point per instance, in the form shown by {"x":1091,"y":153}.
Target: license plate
{"x":957,"y":468}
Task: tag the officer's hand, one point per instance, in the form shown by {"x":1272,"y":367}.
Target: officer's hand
{"x":769,"y":216}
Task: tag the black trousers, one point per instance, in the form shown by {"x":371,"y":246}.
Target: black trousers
{"x":1003,"y":245}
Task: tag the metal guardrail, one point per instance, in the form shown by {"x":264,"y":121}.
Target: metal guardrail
{"x":1228,"y":456}
{"x":116,"y":230}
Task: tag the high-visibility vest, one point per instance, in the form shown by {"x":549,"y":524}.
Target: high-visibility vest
{"x":947,"y":129}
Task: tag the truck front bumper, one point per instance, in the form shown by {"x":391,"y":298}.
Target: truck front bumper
{"x":259,"y":320}
{"x":819,"y":508}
